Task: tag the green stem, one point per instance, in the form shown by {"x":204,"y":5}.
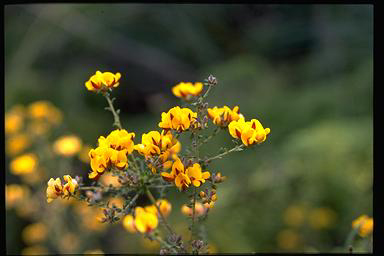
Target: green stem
{"x":153,"y":200}
{"x":215,"y":132}
{"x":193,"y":212}
{"x":161,"y":241}
{"x":237,"y":148}
{"x":116,"y":117}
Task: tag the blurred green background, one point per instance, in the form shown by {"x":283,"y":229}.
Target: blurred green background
{"x":305,"y":71}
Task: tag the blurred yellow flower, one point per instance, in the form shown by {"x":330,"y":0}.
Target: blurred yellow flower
{"x":223,"y":116}
{"x":364,"y":224}
{"x":322,"y":218}
{"x":45,"y":110}
{"x":94,"y":251}
{"x":129,"y":223}
{"x":14,"y":119}
{"x":145,"y":221}
{"x":250,"y":132}
{"x":38,"y":128}
{"x":288,"y":239}
{"x":68,"y":243}
{"x":103,"y":81}
{"x":188,"y":211}
{"x":179,"y":119}
{"x":14,"y":194}
{"x":294,"y":215}
{"x":165,"y":206}
{"x":28,"y":207}
{"x":24,"y":164}
{"x":109,"y":179}
{"x":34,"y":233}
{"x":67,"y":145}
{"x":187,"y":90}
{"x":16,"y":144}
{"x":35,"y":250}
{"x":54,"y":189}
{"x":33,"y":177}
{"x":90,"y":216}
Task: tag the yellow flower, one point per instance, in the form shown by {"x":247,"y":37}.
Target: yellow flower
{"x":119,"y":139}
{"x":112,"y":150}
{"x":223,"y":116}
{"x":24,"y":164}
{"x":188,"y":211}
{"x":129,"y":223}
{"x":165,"y":206}
{"x":45,"y":110}
{"x":14,"y":194}
{"x":34,"y":233}
{"x":162,"y":144}
{"x":145,"y":221}
{"x":67,"y":145}
{"x":364,"y":224}
{"x":187,"y":90}
{"x":54,"y":189}
{"x":17,"y":144}
{"x":250,"y":132}
{"x":177,"y":175}
{"x":71,"y":185}
{"x":14,"y":119}
{"x":179,"y":119}
{"x":103,"y":81}
{"x":197,"y":177}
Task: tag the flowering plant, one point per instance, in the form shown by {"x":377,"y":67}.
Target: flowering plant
{"x":156,"y":163}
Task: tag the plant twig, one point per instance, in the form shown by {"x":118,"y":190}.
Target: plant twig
{"x":116,"y":117}
{"x":163,"y":220}
{"x":237,"y":148}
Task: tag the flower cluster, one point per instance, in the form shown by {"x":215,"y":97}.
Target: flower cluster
{"x":184,"y":176}
{"x":223,"y":116}
{"x":179,"y":119}
{"x":251,"y":132}
{"x":138,"y":169}
{"x":103,"y":81}
{"x":163,"y":145}
{"x":112,"y":151}
{"x":55,"y":189}
{"x":187,"y":90}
